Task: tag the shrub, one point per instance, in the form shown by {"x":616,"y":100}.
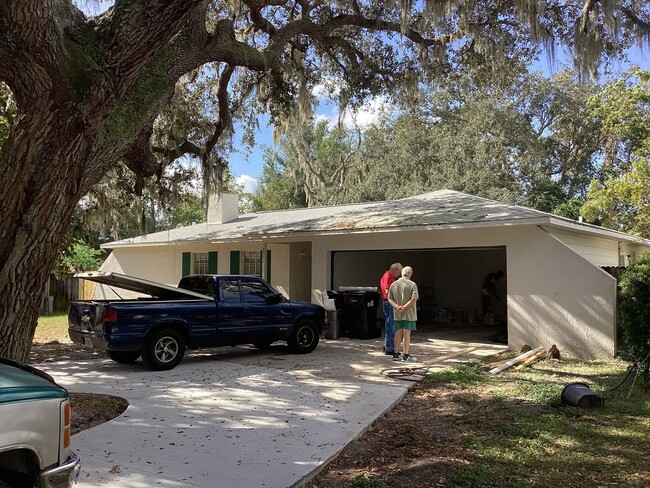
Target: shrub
{"x":634,"y":315}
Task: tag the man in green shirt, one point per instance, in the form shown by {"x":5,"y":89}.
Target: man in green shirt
{"x":403,"y":295}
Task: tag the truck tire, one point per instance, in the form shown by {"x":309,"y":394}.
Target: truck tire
{"x":164,"y":349}
{"x":122,"y":357}
{"x":304,"y":337}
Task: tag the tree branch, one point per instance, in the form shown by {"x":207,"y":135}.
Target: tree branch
{"x":129,"y":46}
{"x":636,"y":20}
{"x":224,"y":120}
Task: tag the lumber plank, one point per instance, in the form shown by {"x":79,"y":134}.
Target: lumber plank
{"x":516,"y":360}
{"x":449,"y":356}
{"x":530,"y":360}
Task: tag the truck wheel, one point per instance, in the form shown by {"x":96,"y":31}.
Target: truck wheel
{"x":123,"y":357}
{"x":164,"y":349}
{"x":304,"y":337}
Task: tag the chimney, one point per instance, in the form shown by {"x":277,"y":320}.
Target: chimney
{"x":222,"y":208}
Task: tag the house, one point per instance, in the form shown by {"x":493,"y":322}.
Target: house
{"x":556,"y":289}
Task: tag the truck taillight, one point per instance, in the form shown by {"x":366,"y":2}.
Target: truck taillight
{"x":67,"y":416}
{"x":109,"y":315}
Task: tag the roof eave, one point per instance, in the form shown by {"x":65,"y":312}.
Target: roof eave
{"x":591,"y":229}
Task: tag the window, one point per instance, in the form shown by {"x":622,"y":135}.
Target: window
{"x":230,"y":291}
{"x":253,"y":263}
{"x":200,"y":262}
{"x":255,"y":291}
{"x":201,"y":284}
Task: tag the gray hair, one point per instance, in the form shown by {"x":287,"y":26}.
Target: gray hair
{"x":407,"y":271}
{"x":396,"y":266}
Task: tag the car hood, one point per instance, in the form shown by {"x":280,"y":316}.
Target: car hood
{"x":20,"y":382}
{"x":139,"y":285}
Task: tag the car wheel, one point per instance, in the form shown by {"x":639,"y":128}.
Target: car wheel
{"x":304,"y":337}
{"x":164,"y":349}
{"x":123,"y":357}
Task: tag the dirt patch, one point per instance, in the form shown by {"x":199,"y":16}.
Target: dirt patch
{"x":92,"y":409}
{"x":416,"y":444}
{"x":47,"y":352}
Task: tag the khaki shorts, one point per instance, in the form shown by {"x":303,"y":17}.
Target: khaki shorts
{"x":404,"y":324}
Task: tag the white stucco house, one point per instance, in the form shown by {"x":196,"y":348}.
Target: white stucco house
{"x":556,"y":288}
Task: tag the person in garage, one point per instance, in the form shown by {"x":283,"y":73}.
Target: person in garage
{"x":403,"y":296}
{"x":387,"y":279}
{"x":489,"y":295}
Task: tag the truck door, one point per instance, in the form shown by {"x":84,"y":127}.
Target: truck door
{"x":270,"y":319}
{"x":246,"y":316}
{"x":231,"y":312}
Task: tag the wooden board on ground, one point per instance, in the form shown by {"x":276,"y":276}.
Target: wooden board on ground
{"x":448,"y":356}
{"x":516,"y":360}
{"x":538,"y":356}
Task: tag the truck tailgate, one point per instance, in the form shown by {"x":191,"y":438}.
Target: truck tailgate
{"x":85,"y":324}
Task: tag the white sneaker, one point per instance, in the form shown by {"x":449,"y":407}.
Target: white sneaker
{"x":408,"y":357}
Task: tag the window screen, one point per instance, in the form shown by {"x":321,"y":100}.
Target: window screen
{"x":253,"y":263}
{"x":200,"y":263}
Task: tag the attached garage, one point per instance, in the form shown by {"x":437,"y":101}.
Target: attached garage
{"x":449,"y":280}
{"x":555,"y":290}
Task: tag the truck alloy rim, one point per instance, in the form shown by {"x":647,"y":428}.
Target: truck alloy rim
{"x":166,"y":349}
{"x":305,"y":336}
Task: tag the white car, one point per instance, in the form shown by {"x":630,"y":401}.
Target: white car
{"x":34,"y":430}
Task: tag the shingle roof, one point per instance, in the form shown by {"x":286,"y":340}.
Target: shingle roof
{"x":439,"y":208}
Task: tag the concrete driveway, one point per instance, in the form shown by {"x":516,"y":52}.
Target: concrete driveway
{"x":247,"y":418}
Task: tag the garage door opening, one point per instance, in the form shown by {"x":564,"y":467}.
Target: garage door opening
{"x":449,"y":280}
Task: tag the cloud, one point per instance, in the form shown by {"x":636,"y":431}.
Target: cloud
{"x":247,"y":183}
{"x":363,"y":117}
{"x":369,"y":113}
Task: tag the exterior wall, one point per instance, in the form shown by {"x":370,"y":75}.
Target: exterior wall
{"x":555,"y":296}
{"x":164,"y":264}
{"x":598,"y":251}
{"x":299,"y":269}
{"x":632,"y":253}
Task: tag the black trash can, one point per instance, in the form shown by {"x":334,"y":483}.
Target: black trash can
{"x":337,"y":297}
{"x":359,"y":314}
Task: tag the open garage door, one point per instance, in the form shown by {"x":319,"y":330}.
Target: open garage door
{"x":449,"y":280}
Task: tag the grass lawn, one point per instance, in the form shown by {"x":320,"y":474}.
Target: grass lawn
{"x":523,"y":436}
{"x":52,"y":328}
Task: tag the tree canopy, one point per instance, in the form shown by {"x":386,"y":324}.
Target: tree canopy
{"x":88,"y":90}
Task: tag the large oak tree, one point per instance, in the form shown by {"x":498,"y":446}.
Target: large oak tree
{"x":88,"y":90}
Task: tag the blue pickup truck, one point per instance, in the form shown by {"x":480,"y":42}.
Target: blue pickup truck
{"x":203,"y":311}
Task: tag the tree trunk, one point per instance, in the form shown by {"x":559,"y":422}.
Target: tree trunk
{"x":40,"y":173}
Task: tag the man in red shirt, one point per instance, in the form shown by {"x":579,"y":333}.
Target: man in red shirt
{"x":384,"y":284}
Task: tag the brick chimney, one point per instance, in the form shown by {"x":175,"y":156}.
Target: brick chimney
{"x":222,"y":208}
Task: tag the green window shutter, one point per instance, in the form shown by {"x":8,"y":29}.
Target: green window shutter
{"x":268,"y":265}
{"x":187,"y":263}
{"x":212,"y":262}
{"x":234,"y":262}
